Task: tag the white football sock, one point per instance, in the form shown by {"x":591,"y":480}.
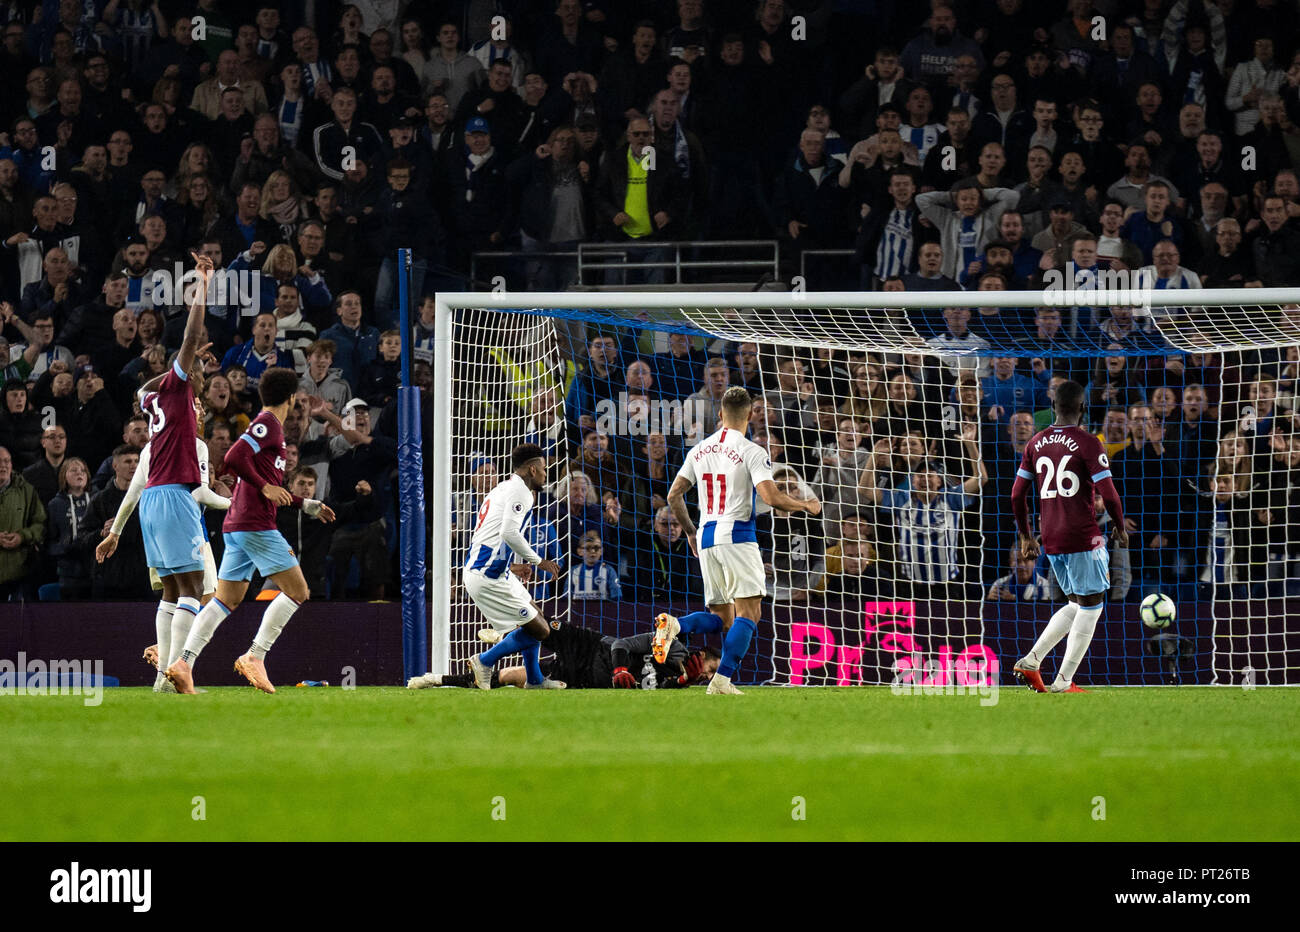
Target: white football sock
{"x":274,"y":619}
{"x":1076,"y":645}
{"x":213,"y":614}
{"x":187,"y":607}
{"x":162,"y":628}
{"x":1057,"y":628}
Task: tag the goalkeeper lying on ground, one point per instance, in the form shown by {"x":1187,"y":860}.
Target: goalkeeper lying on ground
{"x":586,"y":659}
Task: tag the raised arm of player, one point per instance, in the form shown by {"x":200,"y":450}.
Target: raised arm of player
{"x":194,"y":322}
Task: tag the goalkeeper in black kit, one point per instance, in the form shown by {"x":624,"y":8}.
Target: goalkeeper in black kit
{"x":586,"y":659}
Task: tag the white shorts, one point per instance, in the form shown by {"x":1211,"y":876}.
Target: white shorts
{"x":504,"y":602}
{"x":209,"y":572}
{"x":732,"y":571}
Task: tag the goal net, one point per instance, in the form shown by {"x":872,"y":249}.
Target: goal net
{"x":908,"y":423}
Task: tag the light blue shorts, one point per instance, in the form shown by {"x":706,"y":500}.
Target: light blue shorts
{"x":1084,"y":573}
{"x":268,"y":551}
{"x":172,"y":526}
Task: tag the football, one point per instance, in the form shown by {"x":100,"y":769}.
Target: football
{"x":1158,"y":610}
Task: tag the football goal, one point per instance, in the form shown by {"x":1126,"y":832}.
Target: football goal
{"x":906,"y":416}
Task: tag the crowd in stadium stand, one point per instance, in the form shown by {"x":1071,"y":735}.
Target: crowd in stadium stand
{"x":977,"y":145}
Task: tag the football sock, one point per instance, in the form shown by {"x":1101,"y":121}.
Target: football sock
{"x":702,"y":622}
{"x":735,"y":645}
{"x":162,"y":628}
{"x":213,"y":614}
{"x":1076,"y":645}
{"x":513,"y":643}
{"x":532,"y":665}
{"x":463,"y":680}
{"x":1057,"y":628}
{"x":187,"y":610}
{"x":274,"y":619}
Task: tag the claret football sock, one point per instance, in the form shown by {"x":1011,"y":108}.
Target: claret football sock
{"x":1057,"y":628}
{"x":1076,"y":645}
{"x":700,"y":622}
{"x":735,"y":645}
{"x":213,"y":614}
{"x":516,"y":642}
{"x":274,"y":619}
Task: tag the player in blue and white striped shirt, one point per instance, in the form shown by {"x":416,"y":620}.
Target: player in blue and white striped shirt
{"x":497,"y":544}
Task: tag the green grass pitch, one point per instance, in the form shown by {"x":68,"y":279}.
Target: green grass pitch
{"x":381,"y":764}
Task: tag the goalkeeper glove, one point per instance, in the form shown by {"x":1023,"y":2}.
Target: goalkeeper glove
{"x":623,"y":679}
{"x":692,"y":669}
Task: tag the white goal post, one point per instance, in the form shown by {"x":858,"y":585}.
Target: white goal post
{"x":1236,"y":322}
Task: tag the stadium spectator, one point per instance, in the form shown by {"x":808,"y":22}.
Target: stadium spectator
{"x":450,"y":71}
{"x":1147,"y":227}
{"x":597,"y":461}
{"x":67,"y":510}
{"x":1022,"y":584}
{"x":20,"y":426}
{"x":43,"y":475}
{"x":22,"y":531}
{"x":261,"y":352}
{"x":481,"y":216}
{"x":1006,"y":391}
{"x":323,"y":381}
{"x":702,"y":409}
{"x":662,"y":567}
{"x":220,"y":406}
{"x":355,"y":344}
{"x":1276,"y":245}
{"x":358,"y":455}
{"x":593,"y":579}
{"x":967,"y":219}
{"x":927,"y":517}
{"x":958,"y":346}
{"x":125,"y":574}
{"x":380,"y":378}
{"x":1250,"y":81}
{"x":808,"y":203}
{"x":598,"y":380}
{"x":1113,"y":385}
{"x":293,"y":334}
{"x":931,"y":58}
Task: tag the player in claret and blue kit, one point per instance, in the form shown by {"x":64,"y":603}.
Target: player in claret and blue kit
{"x":1067,"y":463}
{"x":252,"y":539}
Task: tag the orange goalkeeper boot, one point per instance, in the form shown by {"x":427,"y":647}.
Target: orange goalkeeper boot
{"x":666,"y":630}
